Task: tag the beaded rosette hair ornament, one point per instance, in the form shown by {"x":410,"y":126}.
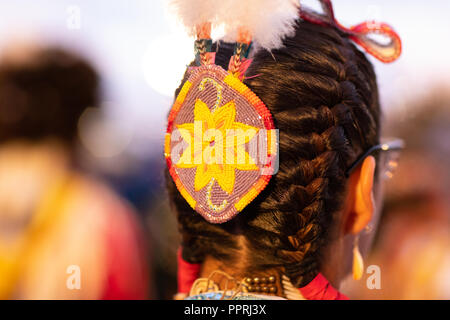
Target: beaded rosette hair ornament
{"x":221,"y":145}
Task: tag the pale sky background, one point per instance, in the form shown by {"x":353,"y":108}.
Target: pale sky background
{"x":141,"y":54}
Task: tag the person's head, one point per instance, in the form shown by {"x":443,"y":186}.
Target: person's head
{"x":322,"y":93}
{"x":43,"y":94}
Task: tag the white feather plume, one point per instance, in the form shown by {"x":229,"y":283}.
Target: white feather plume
{"x":268,"y":21}
{"x":193,"y":13}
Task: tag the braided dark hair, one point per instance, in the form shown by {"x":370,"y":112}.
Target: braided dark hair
{"x":322,"y":93}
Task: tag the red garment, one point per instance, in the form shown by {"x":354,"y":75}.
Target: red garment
{"x":318,"y":289}
{"x":187,"y":273}
{"x":127,"y":277}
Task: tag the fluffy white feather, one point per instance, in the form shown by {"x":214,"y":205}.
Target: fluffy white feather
{"x":194,"y":12}
{"x":268,"y":21}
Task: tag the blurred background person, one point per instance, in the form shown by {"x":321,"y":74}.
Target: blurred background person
{"x":412,"y":247}
{"x":63,"y":234}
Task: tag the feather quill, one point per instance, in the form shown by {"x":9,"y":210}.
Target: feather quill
{"x":194,"y":13}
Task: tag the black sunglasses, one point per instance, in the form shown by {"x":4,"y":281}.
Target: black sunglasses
{"x":391,"y":149}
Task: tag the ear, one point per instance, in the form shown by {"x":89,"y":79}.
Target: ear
{"x":362,"y":208}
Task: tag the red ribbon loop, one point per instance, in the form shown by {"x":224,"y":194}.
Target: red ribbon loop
{"x":361,"y":33}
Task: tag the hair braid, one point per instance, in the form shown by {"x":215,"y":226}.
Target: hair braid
{"x":323,"y":96}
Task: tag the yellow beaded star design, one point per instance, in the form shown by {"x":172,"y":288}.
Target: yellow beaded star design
{"x":209,"y":146}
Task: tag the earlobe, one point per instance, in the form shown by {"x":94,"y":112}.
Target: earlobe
{"x":364,"y":201}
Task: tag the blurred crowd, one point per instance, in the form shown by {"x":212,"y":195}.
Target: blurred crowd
{"x":63,"y":233}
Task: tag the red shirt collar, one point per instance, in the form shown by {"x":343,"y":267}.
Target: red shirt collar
{"x":318,"y":289}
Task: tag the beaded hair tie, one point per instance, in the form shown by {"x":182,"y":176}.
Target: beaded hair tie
{"x":360,"y":34}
